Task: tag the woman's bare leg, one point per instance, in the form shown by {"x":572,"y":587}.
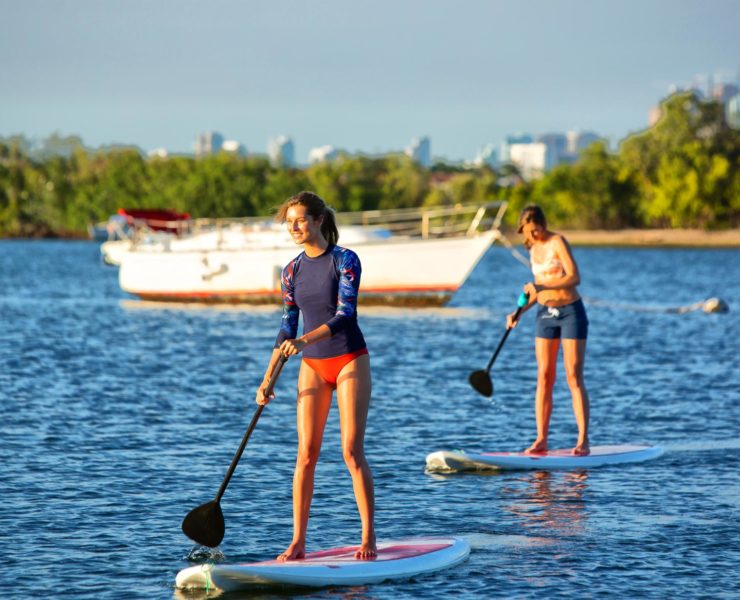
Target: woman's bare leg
{"x":354,"y":388}
{"x":314,"y":401}
{"x":574,"y":354}
{"x":546,"y":351}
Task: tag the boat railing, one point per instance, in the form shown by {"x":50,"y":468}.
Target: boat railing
{"x":450,"y":221}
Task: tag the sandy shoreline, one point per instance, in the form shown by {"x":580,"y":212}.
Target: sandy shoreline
{"x":677,"y":238}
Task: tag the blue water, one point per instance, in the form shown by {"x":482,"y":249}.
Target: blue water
{"x":118,"y":417}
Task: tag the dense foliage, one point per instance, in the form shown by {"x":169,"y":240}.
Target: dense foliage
{"x":683,"y":172}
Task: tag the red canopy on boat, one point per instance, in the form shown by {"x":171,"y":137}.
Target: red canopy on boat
{"x":155,"y":218}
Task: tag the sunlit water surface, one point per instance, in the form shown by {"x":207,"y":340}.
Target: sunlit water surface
{"x":118,"y":417}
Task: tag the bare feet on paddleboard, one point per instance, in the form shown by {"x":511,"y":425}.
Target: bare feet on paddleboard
{"x":295,"y":551}
{"x":367,"y":550}
{"x":537,"y":447}
{"x":581,"y":449}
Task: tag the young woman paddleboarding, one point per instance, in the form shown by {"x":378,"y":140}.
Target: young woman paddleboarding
{"x":322,"y":283}
{"x":561,"y":320}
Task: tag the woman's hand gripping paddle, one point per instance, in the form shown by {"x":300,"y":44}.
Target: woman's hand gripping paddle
{"x":205,"y":524}
{"x":481,"y":380}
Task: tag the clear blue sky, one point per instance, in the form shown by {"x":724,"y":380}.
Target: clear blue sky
{"x":362,"y":76}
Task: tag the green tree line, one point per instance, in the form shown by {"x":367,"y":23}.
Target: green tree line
{"x":682,"y":172}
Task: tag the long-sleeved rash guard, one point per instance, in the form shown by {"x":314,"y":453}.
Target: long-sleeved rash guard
{"x":325,"y":290}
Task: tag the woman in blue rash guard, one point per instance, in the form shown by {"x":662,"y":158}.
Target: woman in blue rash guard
{"x":322,"y":283}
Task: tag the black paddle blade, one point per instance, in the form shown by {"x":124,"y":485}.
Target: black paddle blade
{"x":481,"y":382}
{"x":205,"y":524}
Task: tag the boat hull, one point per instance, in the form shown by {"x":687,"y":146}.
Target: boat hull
{"x":394,"y":271}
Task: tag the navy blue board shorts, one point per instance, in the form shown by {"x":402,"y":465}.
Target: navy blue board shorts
{"x":568,"y":322}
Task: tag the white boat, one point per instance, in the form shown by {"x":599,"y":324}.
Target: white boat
{"x":408,"y":256}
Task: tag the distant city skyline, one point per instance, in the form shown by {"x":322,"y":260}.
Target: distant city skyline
{"x":361,"y":78}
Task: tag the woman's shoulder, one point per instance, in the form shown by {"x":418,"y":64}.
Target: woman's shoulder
{"x":346,"y":261}
{"x":560,"y":245}
{"x":557,"y":239}
{"x":291,"y":266}
{"x":345,"y":254}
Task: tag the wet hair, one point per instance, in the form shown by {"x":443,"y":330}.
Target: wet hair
{"x":531,"y":214}
{"x":316,"y":208}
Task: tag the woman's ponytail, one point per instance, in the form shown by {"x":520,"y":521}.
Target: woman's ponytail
{"x":329,"y":226}
{"x":317,"y":208}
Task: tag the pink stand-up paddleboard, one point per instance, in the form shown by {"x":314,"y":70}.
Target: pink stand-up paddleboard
{"x":397,"y":559}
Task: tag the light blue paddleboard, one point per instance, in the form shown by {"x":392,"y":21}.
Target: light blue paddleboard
{"x":397,"y":559}
{"x":458,"y":460}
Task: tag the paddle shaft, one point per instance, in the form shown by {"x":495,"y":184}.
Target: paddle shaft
{"x":503,"y":339}
{"x":255,"y":418}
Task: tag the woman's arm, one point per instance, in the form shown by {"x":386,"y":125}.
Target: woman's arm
{"x":291,"y":313}
{"x":288,"y":328}
{"x":349,"y":271}
{"x":510,"y":322}
{"x":294,"y":346}
{"x":261,"y":397}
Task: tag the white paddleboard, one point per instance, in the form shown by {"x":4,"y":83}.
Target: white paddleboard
{"x":458,"y":460}
{"x":397,"y":559}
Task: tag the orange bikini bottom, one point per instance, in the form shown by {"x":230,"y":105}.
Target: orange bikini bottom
{"x":329,"y":368}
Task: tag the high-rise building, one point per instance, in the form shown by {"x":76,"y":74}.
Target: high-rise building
{"x":723,"y":92}
{"x":533,"y":159}
{"x":209,"y":142}
{"x":486,"y":157}
{"x":557,"y":149}
{"x":420,"y":151}
{"x":732,"y":112}
{"x":281,"y":151}
{"x":234,"y":147}
{"x":579,"y":140}
{"x":530,"y":158}
{"x":517,"y":138}
{"x":321,"y":154}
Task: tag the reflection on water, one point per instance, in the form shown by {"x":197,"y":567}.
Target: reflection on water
{"x":552,"y":500}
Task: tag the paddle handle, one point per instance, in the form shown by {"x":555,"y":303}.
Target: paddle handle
{"x":521,"y":303}
{"x":234,"y":461}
